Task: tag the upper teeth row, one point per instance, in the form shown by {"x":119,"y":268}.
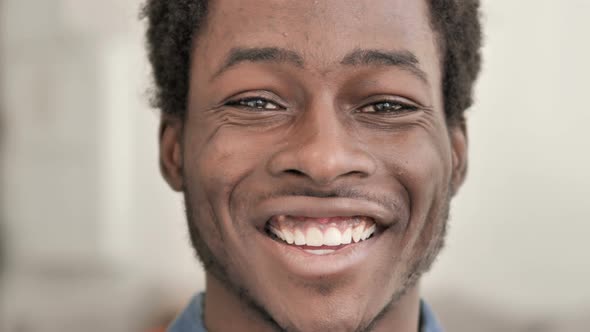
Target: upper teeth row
{"x":332,"y":236}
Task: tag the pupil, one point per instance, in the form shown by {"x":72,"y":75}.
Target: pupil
{"x":387,"y":106}
{"x":256,"y":103}
{"x":383,"y":106}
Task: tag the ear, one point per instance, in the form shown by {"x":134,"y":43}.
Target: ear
{"x":171,"y":151}
{"x":458,"y":136}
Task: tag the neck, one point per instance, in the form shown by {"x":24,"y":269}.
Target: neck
{"x":403,"y":315}
{"x":227,"y":311}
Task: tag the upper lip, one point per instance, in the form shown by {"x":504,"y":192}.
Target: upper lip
{"x":313,"y":207}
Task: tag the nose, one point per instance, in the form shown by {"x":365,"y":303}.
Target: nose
{"x":321,"y":149}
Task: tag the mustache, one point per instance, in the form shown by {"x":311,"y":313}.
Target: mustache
{"x":341,"y":192}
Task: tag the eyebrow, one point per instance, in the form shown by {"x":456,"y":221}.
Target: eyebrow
{"x":370,"y":57}
{"x":359,"y":57}
{"x":256,"y":54}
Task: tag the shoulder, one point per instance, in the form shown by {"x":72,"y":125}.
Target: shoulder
{"x":190,"y":320}
{"x":429,"y":322}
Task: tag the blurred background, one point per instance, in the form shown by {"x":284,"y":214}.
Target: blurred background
{"x":91,"y":238}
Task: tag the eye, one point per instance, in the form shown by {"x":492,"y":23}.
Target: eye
{"x":258,"y":103}
{"x":388,"y":106}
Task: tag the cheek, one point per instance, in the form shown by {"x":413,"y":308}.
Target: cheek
{"x":221,"y":157}
{"x":420,"y":160}
{"x":428,"y":184}
{"x":220,"y":164}
{"x":427,"y":165}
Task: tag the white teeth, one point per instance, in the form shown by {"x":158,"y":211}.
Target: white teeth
{"x":299,"y":238}
{"x":289,"y":236}
{"x":332,"y":237}
{"x":357,"y":232}
{"x":318,"y":235}
{"x":278,"y":233}
{"x":347,"y":236}
{"x":314,"y":237}
{"x":365,"y":236}
{"x":370,"y":231}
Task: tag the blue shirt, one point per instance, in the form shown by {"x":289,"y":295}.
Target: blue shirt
{"x":190,"y":320}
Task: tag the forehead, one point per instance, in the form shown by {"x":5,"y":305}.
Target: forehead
{"x":321,"y":30}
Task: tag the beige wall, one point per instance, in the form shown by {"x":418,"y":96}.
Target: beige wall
{"x":519,"y":232}
{"x":520,"y":225}
{"x":87,"y":217}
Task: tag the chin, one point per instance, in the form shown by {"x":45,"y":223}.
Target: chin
{"x":326,"y":316}
{"x":346,"y":304}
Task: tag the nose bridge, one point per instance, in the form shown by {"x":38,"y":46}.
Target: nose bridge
{"x":321,"y":133}
{"x":322,"y":148}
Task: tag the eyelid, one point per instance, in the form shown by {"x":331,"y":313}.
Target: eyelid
{"x":404,"y":102}
{"x":391,"y":98}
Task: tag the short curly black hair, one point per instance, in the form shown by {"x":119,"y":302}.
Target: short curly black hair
{"x":172,"y":24}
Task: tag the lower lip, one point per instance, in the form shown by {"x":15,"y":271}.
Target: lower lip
{"x":313,"y":262}
{"x":323,"y":250}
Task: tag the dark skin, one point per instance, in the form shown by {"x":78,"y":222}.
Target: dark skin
{"x":322,"y":107}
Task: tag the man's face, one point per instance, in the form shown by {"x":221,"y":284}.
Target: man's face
{"x":311,"y":126}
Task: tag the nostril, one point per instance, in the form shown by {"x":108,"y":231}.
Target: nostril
{"x":357,"y":173}
{"x":295,"y":172}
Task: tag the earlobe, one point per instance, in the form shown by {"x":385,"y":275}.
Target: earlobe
{"x":458,"y":135}
{"x":171,"y":151}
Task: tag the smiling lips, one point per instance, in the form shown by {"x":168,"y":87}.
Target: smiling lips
{"x":321,"y":236}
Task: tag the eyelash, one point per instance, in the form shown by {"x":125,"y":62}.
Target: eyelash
{"x":382,"y":106}
{"x":388,"y":107}
{"x":256,"y":103}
